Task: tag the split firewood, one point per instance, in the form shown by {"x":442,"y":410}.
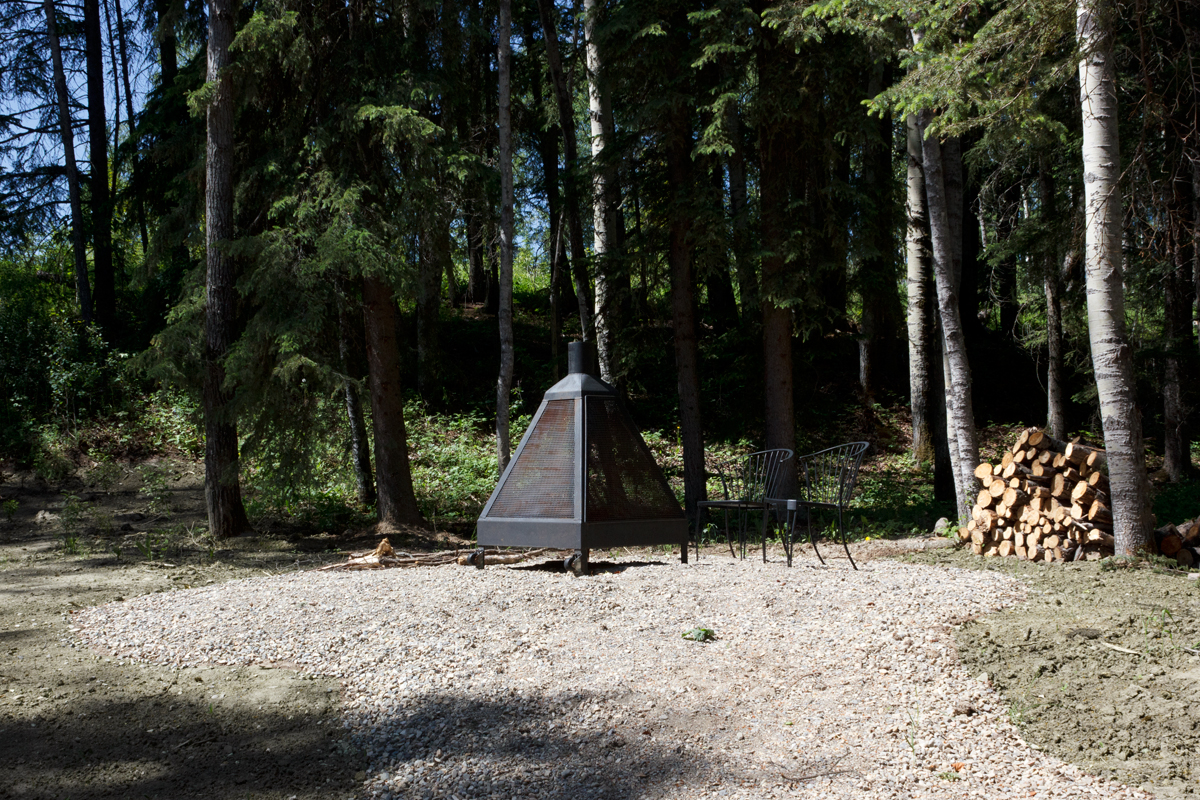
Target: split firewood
{"x":1169,"y":542}
{"x":1099,"y":514}
{"x":984,"y":499}
{"x":1007,"y":549}
{"x":997,"y":486}
{"x":1098,"y":481}
{"x":984,"y":473}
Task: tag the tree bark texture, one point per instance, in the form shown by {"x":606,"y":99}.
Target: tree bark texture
{"x":139,"y":206}
{"x":574,"y":204}
{"x":683,"y":307}
{"x":504,"y":316}
{"x":1177,"y":313}
{"x":1112,"y":358}
{"x":396,"y":503}
{"x":1056,"y":396}
{"x":876,"y":273}
{"x":964,"y":448}
{"x":1052,"y":277}
{"x":780,"y":423}
{"x":105,"y":286}
{"x":360,"y":449}
{"x":83,"y":290}
{"x":429,"y":301}
{"x":168,"y":43}
{"x":222,"y":489}
{"x":920,"y":291}
{"x":606,"y":204}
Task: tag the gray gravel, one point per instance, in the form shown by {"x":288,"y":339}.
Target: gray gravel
{"x":525,"y":681}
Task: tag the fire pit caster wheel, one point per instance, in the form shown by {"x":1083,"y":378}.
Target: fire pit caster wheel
{"x":477,"y":559}
{"x":577,"y":563}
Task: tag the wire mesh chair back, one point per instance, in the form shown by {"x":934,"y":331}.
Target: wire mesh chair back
{"x":753,"y":478}
{"x":827,"y":477}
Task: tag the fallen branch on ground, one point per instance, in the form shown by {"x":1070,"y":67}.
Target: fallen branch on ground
{"x":385,"y":557}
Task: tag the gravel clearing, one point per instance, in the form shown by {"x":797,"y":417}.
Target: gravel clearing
{"x":525,"y":681}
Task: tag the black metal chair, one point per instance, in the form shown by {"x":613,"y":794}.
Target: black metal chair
{"x":825,"y":483}
{"x":747,"y":484}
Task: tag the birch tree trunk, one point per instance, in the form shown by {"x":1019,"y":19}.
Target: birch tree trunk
{"x":920,"y":306}
{"x":960,"y":418}
{"x":606,"y":202}
{"x":573,"y":210}
{"x":1112,"y":359}
{"x":83,"y":290}
{"x":222,"y":489}
{"x":504,"y":383}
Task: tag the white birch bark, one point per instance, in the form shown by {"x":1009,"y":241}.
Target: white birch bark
{"x":916,"y":247}
{"x":604,"y":195}
{"x":960,"y":415}
{"x":1112,"y":359}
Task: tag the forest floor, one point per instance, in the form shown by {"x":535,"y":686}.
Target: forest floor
{"x":1096,"y":666}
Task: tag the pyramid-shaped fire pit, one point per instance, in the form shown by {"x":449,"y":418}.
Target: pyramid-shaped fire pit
{"x":581,"y":478}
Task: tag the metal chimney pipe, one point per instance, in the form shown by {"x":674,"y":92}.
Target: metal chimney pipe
{"x":579,"y":358}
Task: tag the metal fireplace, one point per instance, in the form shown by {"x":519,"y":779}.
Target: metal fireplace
{"x":582,"y":478}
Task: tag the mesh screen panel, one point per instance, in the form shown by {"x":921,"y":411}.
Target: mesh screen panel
{"x":624,"y":482}
{"x":542,"y":482}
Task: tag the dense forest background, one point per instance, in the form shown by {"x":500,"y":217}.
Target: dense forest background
{"x":286,"y":234}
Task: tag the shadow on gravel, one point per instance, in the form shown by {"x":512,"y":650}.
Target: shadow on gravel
{"x":596,"y":567}
{"x":542,"y":747}
{"x":89,"y":750}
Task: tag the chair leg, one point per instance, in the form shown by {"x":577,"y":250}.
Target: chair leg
{"x":812,"y":537}
{"x":728,"y":539}
{"x":790,"y":526}
{"x":845,"y":546}
{"x":766,"y":513}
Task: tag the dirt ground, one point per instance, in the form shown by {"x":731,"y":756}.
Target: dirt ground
{"x":76,"y":725}
{"x":1098,"y":666}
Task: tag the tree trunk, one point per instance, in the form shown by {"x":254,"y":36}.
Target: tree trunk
{"x":397,"y":504}
{"x":105,"y":291}
{"x":780,"y":425}
{"x":1056,"y":398}
{"x":139,"y":206}
{"x":1178,"y":332}
{"x":477,"y":279}
{"x":739,"y":213}
{"x":168,"y":43}
{"x":222,"y":490}
{"x":504,"y":383}
{"x":1056,"y":401}
{"x":116,"y":84}
{"x":920,"y":306}
{"x":360,"y":449}
{"x":964,"y":448}
{"x":1112,"y":358}
{"x":606,"y":205}
{"x":547,"y":143}
{"x":566,"y":121}
{"x":683,"y":307}
{"x":429,"y":308}
{"x":83,"y":291}
{"x":876,"y":274}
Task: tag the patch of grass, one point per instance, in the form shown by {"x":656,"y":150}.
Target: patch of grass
{"x":10,"y":507}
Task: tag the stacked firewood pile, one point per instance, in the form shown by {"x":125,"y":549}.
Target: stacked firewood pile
{"x":1180,"y":542}
{"x":1046,"y":500}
